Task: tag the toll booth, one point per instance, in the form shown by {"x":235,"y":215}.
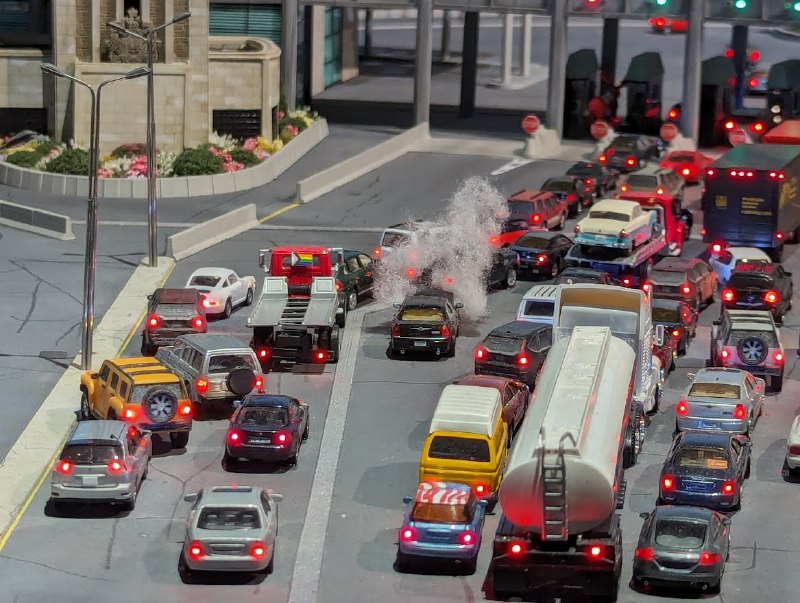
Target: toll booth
{"x":644,"y":82}
{"x":581,"y":87}
{"x":783,"y":91}
{"x":718,"y":79}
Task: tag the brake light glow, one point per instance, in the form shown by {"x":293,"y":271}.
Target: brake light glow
{"x":686,"y":289}
{"x":596,"y":552}
{"x":647,"y":288}
{"x":480,"y":489}
{"x":154,"y":322}
{"x":660,"y":22}
{"x":199,"y":323}
{"x":523,"y":360}
{"x":624,"y":188}
{"x":536,"y":219}
{"x":779,"y":357}
{"x":234,"y":437}
{"x":756,"y":127}
{"x":725,"y":354}
{"x":755,"y":56}
{"x":64,"y":467}
{"x":516,"y":548}
{"x":283,"y":437}
{"x":630,"y":161}
{"x":667,"y":483}
{"x":264,"y":353}
{"x":211,"y":303}
{"x":676,"y":332}
{"x":186,"y":409}
{"x":445,"y":332}
{"x":673,"y":114}
{"x":707,"y":558}
{"x":257,"y":551}
{"x":659,"y":191}
{"x":481,"y":354}
{"x":377,"y":252}
{"x":711,"y":172}
{"x":339,"y":285}
{"x":686,"y":171}
{"x":740,"y":412}
{"x":258,"y":384}
{"x":602,"y":159}
{"x":115,"y":467}
{"x":467,"y":537}
{"x":408,"y":534}
{"x":201,"y":385}
{"x":777,"y":175}
{"x":130,"y":413}
{"x":730,"y":124}
{"x":319,"y":356}
{"x":728,"y":487}
{"x":588,"y":181}
{"x":542,"y":259}
{"x":411,"y":273}
{"x":717,"y":247}
{"x":682,"y":409}
{"x":772,"y":297}
{"x":728,"y":295}
{"x":729,"y":53}
{"x":742,"y":173}
{"x":645,"y":554}
{"x":395,"y":330}
{"x":779,"y":236}
{"x":449,"y":280}
{"x":794,"y":450}
{"x":196,"y":550}
{"x":703,"y":232}
{"x":627,"y":281}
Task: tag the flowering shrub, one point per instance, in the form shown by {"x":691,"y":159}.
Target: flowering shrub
{"x":222,"y":154}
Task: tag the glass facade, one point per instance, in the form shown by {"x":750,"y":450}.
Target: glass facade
{"x":25,"y":23}
{"x":333,"y":46}
{"x":260,"y":20}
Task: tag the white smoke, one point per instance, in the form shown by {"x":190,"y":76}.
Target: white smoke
{"x":456,"y":246}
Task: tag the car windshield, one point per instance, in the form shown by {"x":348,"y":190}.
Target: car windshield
{"x":681,"y":157}
{"x":767,"y":336}
{"x":272,"y":416}
{"x":701,"y":458}
{"x":668,"y":277}
{"x":536,"y":308}
{"x":225,"y":363}
{"x":520,"y":208}
{"x":729,"y":391}
{"x":459,"y":449}
{"x":623,"y":144}
{"x":665,"y":315}
{"x":204,"y":281}
{"x":91,"y":454}
{"x":432,"y":513}
{"x":393,"y":239}
{"x":680,"y":533}
{"x":228,"y":518}
{"x":599,"y":214}
{"x":141,"y":392}
{"x":582,"y":169}
{"x":415,"y":314}
{"x":642,"y":182}
{"x":558,"y":186}
{"x":176,"y":310}
{"x":501,"y":344}
{"x":533,"y":242}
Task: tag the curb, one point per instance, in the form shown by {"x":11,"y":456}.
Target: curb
{"x":169,"y":188}
{"x":207,"y":234}
{"x":28,"y":463}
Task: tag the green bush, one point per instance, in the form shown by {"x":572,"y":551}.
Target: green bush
{"x":71,"y":161}
{"x":298,"y":122}
{"x":197,"y":162}
{"x":26,"y":159}
{"x":245,"y":157}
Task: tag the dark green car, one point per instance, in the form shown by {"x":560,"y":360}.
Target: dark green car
{"x":356,"y":277}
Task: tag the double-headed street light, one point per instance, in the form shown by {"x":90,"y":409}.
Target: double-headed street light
{"x":90,"y":261}
{"x":152,"y":212}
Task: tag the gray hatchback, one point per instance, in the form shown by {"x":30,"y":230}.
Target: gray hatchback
{"x":102,"y":462}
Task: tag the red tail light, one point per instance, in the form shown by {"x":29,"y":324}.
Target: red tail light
{"x":602,"y":159}
{"x":258,"y":384}
{"x":673,"y":114}
{"x":753,"y":82}
{"x":659,"y":191}
{"x":196,"y":550}
{"x":542,"y":259}
{"x":703,"y":232}
{"x":729,"y":53}
{"x":777,"y":175}
{"x":523,"y":360}
{"x":283,"y":437}
{"x":264,"y":353}
{"x":536,"y":218}
{"x":707,"y":558}
{"x":480,"y":489}
{"x":339,"y":285}
{"x":686,"y":289}
{"x":755,"y":56}
{"x":740,"y":412}
{"x":589,"y":181}
{"x":725,"y":354}
{"x":210,"y":303}
{"x":730,"y":124}
{"x":647,"y":287}
{"x":186,"y":410}
{"x":682,"y":409}
{"x":411,"y":273}
{"x":516,"y":548}
{"x":199,"y":323}
{"x":728,"y":295}
{"x":779,"y":357}
{"x":571,"y":197}
{"x":481,"y":354}
{"x":445,"y":332}
{"x":711,"y":172}
{"x":201,"y":385}
{"x":115,"y":467}
{"x":660,"y":22}
{"x":624,"y":188}
{"x":377,"y":252}
{"x":258,"y":551}
{"x":686,"y":171}
{"x":630,"y":161}
{"x":779,"y":236}
{"x":794,"y":450}
{"x":667,"y":483}
{"x":645,"y":554}
{"x":596,"y":552}
{"x":449,"y":280}
{"x":742,"y":173}
{"x":676,"y":332}
{"x":235,"y":437}
{"x":130,"y":413}
{"x":64,"y":467}
{"x":627,"y":281}
{"x":408,"y":534}
{"x":728,"y":487}
{"x":772,"y":297}
{"x":494,"y":240}
{"x":756,"y":127}
{"x":468,"y":537}
{"x":320,"y":356}
{"x":395,"y":330}
{"x":153,"y":322}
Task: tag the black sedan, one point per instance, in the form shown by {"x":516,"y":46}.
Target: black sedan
{"x":426,"y":321}
{"x":266,"y":427}
{"x":629,"y":152}
{"x":682,"y":546}
{"x":570,"y":189}
{"x":542,"y":252}
{"x":705,"y":469}
{"x":759,"y":286}
{"x":595,"y":177}
{"x":679,"y":320}
{"x":517,"y":350}
{"x":502,"y":273}
{"x":573,"y":275}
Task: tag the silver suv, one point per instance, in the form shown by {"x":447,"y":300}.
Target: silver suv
{"x":102,"y":462}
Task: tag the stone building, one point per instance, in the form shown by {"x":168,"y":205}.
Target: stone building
{"x":218,"y":70}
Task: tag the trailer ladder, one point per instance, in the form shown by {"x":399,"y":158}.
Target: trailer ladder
{"x":554,"y":480}
{"x":294,"y":312}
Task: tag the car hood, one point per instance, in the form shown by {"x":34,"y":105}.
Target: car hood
{"x":600,"y":226}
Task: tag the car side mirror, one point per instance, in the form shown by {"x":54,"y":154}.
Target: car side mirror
{"x":396,"y":304}
{"x":691,"y":375}
{"x":150,"y":297}
{"x":191,"y":497}
{"x":407,"y":500}
{"x":644,"y":515}
{"x":95,"y":375}
{"x":726,"y":521}
{"x":659,"y":335}
{"x":146,"y":432}
{"x":276,"y":497}
{"x":787,"y":273}
{"x":760,"y":384}
{"x":459,"y":305}
{"x":237,"y":403}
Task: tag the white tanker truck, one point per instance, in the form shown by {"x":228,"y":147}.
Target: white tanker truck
{"x":559,"y":535}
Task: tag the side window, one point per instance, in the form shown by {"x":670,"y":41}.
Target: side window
{"x":736,"y":448}
{"x":133,"y":441}
{"x":366,"y":261}
{"x":231,"y":280}
{"x":353,"y":265}
{"x":114,"y":381}
{"x":104,"y":372}
{"x":265,"y":502}
{"x":197,"y":360}
{"x":123,"y":390}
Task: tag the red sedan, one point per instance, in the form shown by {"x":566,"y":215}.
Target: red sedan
{"x":665,"y":24}
{"x":689,"y":165}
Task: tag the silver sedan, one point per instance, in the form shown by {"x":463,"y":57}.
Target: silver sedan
{"x":721,"y":399}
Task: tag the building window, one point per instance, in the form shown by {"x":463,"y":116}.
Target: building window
{"x":136,"y":4}
{"x":240,"y":124}
{"x":258,"y":20}
{"x":25,"y":23}
{"x":333,"y":46}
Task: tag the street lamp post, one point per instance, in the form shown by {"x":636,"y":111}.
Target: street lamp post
{"x":152,"y":211}
{"x":90,"y":261}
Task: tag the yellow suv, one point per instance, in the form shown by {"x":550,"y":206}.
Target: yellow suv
{"x":141,"y":391}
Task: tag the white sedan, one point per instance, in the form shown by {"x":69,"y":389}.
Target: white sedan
{"x":223,"y":289}
{"x":724,"y":260}
{"x":792,"y":466}
{"x":616,"y":223}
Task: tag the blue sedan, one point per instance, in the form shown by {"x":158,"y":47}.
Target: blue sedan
{"x":444,"y":521}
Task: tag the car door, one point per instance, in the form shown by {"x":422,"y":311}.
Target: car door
{"x":236,"y":288}
{"x":354,"y":271}
{"x":512,"y":403}
{"x":738,"y":456}
{"x":754,"y":393}
{"x":539,"y":346}
{"x":99,"y":401}
{"x":270,"y":510}
{"x":136,"y":453}
{"x":367,"y":274}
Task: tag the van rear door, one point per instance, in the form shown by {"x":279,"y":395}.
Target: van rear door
{"x":740,"y":210}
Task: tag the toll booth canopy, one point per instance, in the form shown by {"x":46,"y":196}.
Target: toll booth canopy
{"x":581,"y":87}
{"x":644,"y":81}
{"x":717,"y":78}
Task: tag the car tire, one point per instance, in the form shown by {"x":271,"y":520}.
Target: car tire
{"x":747,"y":471}
{"x":248,"y":301}
{"x":555,"y":269}
{"x":226,"y":313}
{"x":271,"y":565}
{"x":148,"y":349}
{"x":179,"y":439}
{"x":187,"y":575}
{"x":402,"y":563}
{"x":228,"y":461}
{"x":86,"y":410}
{"x":352,"y":300}
{"x":490,"y":507}
{"x":511,"y":279}
{"x":341,"y":319}
{"x":130,"y":505}
{"x":776,"y":383}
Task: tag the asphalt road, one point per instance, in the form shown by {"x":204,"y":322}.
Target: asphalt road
{"x":390,"y":407}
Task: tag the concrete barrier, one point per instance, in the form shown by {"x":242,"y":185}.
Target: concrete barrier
{"x":363,"y":163}
{"x":170,"y":188}
{"x":207,"y":234}
{"x":35,"y":220}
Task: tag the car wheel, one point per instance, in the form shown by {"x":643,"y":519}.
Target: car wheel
{"x":228,"y":461}
{"x":451,"y":351}
{"x":305,"y":431}
{"x":776,"y":383}
{"x":554,"y":270}
{"x":352,"y":300}
{"x":747,"y":471}
{"x":403,"y":563}
{"x":187,"y":576}
{"x":179,"y":439}
{"x":249,"y":299}
{"x":511,"y":279}
{"x":228,"y":309}
{"x":148,"y":349}
{"x":271,"y":565}
{"x":341,"y":319}
{"x":86,"y":411}
{"x":562,"y":222}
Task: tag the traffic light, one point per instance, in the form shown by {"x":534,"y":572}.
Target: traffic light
{"x":782,"y":10}
{"x":659,"y":8}
{"x":733,"y":10}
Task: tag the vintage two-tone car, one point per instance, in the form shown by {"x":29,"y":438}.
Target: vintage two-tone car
{"x":616,"y":223}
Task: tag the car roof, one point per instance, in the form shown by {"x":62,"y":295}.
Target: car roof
{"x":211,"y":271}
{"x":208,"y":342}
{"x":485,"y":380}
{"x":682,"y":512}
{"x":758,"y":156}
{"x":145,"y":370}
{"x":705,"y":439}
{"x":176,"y":296}
{"x":518,"y":328}
{"x":467,"y":409}
{"x":424,"y":294}
{"x":111,"y":431}
{"x":676,"y":264}
{"x":528,"y":195}
{"x":650,"y":170}
{"x":231,"y":495}
{"x":719,"y":375}
{"x":586,"y":164}
{"x":261,"y":400}
{"x":582,"y":271}
{"x":547,"y":292}
{"x":615,"y":204}
{"x":750,"y":253}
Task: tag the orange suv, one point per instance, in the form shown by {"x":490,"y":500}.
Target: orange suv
{"x":539,"y":209}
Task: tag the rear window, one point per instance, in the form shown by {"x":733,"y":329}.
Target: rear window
{"x":176,"y":310}
{"x":225,"y":363}
{"x":715,"y":390}
{"x":668,"y":277}
{"x":523,"y":208}
{"x":140,"y":391}
{"x":599,"y":214}
{"x":582,"y":169}
{"x":502,"y":344}
{"x":205,"y":281}
{"x":533,"y":242}
{"x":432,"y":513}
{"x":701,"y":458}
{"x":680,"y":534}
{"x":220,"y":518}
{"x":422,"y":315}
{"x":558,"y":186}
{"x":622,"y":144}
{"x":539,"y":308}
{"x":460,"y":449}
{"x":268,"y":416}
{"x":665,"y":315}
{"x":91,"y":454}
{"x":393,"y":239}
{"x":641,"y":182}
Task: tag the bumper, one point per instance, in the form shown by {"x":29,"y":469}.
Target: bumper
{"x":438,"y":550}
{"x":716,"y":425}
{"x":117,"y":493}
{"x":226,"y":563}
{"x":793,"y":462}
{"x":665,"y":576}
{"x":711,"y":500}
{"x":266,"y":453}
{"x":517,"y":577}
{"x":165,"y":337}
{"x":535,"y":267}
{"x":166,"y":427}
{"x":409,"y":344}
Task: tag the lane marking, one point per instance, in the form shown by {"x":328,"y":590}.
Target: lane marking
{"x":23,"y":508}
{"x":511,"y":165}
{"x":278,"y":212}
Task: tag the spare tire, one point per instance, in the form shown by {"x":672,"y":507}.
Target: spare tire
{"x":752,"y":350}
{"x":241,"y":381}
{"x":160,"y":405}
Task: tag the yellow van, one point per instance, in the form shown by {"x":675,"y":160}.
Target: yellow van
{"x":467,"y":442}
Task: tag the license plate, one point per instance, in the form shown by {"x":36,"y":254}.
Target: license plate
{"x":708,"y":425}
{"x":420,"y":344}
{"x":259,"y":440}
{"x":89,"y":481}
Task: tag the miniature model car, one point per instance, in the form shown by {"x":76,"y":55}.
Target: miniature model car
{"x":501,"y":273}
{"x":689,"y":165}
{"x":651,"y":182}
{"x":538,"y":304}
{"x":267,"y":427}
{"x":791,"y":466}
{"x":230,"y":529}
{"x":102,"y":462}
{"x":517,"y":349}
{"x":572,"y":275}
{"x":721,"y":399}
{"x":705,"y":469}
{"x":355,"y":277}
{"x":223,"y":289}
{"x":510,"y":230}
{"x":679,"y":320}
{"x":515,"y":395}
{"x":426,"y":321}
{"x":141,"y":391}
{"x":629,"y":152}
{"x":595,"y":177}
{"x":724,"y":260}
{"x":666,"y":354}
{"x":542,"y":252}
{"x":686,"y":279}
{"x":759,"y":286}
{"x":539,"y":209}
{"x":618,"y":224}
{"x":572,"y":190}
{"x":396,"y":236}
{"x":170,"y":313}
{"x":682,"y":546}
{"x":668,"y":24}
{"x":748,"y":340}
{"x":444,"y":520}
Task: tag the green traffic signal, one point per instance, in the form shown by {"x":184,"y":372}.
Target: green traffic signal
{"x":664,"y":2}
{"x":740,"y":4}
{"x":796,"y":7}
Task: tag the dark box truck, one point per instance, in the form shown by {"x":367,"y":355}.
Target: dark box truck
{"x":751,"y":198}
